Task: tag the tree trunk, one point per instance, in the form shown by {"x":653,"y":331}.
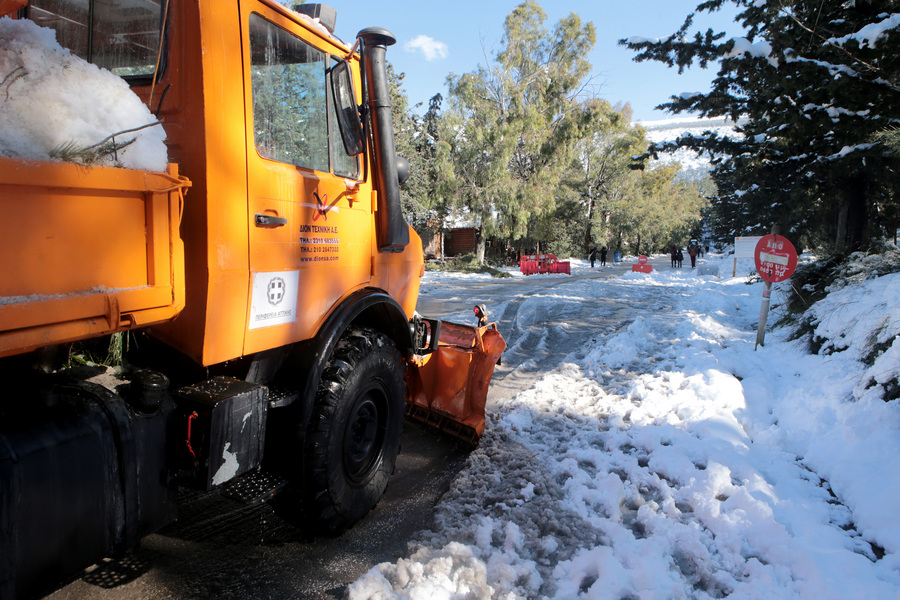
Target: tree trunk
{"x":852,"y":218}
{"x":841,"y":233}
{"x":479,"y":246}
{"x":589,"y":230}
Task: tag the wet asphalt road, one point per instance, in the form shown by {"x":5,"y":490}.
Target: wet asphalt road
{"x":222,"y":549}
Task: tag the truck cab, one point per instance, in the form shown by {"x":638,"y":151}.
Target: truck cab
{"x":265,"y":283}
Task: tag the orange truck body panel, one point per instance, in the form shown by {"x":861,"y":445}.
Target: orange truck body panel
{"x":228,"y":256}
{"x":325,"y":254}
{"x":89,"y":251}
{"x":9,"y":6}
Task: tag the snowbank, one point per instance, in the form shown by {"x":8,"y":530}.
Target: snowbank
{"x":50,"y":98}
{"x":671,"y":459}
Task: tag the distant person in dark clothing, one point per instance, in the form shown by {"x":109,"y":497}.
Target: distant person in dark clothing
{"x":674,"y":257}
{"x":592,"y":256}
{"x":679,"y":258}
{"x":603,"y":252}
{"x":692,"y":252}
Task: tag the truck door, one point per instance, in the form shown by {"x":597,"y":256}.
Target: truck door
{"x":310,"y":211}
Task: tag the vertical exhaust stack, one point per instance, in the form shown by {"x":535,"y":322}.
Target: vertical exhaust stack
{"x":391,"y":229}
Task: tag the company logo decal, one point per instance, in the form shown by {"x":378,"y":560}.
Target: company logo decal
{"x":275,"y":291}
{"x":274,"y":298}
{"x":322,"y":210}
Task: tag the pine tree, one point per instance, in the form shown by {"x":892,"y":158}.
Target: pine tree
{"x":405,"y":133}
{"x":810,"y":85}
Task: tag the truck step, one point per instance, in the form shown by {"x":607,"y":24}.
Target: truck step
{"x":279,"y":397}
{"x":254,"y":488}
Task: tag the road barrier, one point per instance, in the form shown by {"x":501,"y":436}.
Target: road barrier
{"x":532,"y":264}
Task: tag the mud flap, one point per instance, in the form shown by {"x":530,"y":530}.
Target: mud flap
{"x":447,"y":388}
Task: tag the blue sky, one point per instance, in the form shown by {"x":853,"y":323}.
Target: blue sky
{"x":437,"y":38}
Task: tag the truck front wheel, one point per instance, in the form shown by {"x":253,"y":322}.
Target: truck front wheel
{"x":354,"y":434}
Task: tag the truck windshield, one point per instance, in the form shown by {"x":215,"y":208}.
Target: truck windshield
{"x":119,"y":35}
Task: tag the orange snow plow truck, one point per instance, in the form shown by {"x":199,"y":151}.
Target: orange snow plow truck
{"x":262,"y":289}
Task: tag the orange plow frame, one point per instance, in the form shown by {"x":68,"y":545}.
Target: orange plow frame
{"x":447,"y":389}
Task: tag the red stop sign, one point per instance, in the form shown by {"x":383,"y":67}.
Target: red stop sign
{"x":642,"y":259}
{"x":775,"y":257}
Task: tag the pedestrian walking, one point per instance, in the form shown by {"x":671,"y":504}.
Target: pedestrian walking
{"x":592,"y":256}
{"x":603,"y":252}
{"x":692,"y":252}
{"x":674,"y":254}
{"x":679,"y":257}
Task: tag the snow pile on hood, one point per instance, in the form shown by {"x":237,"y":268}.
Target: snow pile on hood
{"x":50,"y":98}
{"x":671,"y":459}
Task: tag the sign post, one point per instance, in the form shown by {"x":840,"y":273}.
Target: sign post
{"x":776,"y":260}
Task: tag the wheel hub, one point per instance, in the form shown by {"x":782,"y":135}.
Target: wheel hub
{"x":363,"y":438}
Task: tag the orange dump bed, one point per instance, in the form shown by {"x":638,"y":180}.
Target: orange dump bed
{"x":86,"y":251}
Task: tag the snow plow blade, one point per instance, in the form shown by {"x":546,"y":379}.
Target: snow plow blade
{"x":447,"y":388}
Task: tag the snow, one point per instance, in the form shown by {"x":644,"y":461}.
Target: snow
{"x":872,"y":33}
{"x":50,"y":97}
{"x":762,"y":49}
{"x":668,"y":130}
{"x":670,"y":458}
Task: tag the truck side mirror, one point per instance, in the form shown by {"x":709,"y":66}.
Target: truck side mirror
{"x":347,"y":111}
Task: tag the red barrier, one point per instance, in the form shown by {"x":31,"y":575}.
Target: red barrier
{"x":561,"y":266}
{"x":642,"y":266}
{"x":543,"y":263}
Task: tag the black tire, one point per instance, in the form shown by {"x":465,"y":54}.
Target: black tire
{"x":354,"y":433}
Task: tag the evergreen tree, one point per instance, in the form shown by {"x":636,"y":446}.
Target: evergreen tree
{"x":810,"y":86}
{"x":513,"y":122}
{"x":601,"y":166}
{"x":434,"y":158}
{"x":418,"y":140}
{"x":405,"y":134}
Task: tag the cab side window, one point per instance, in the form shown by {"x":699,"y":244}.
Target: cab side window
{"x":292,"y":120}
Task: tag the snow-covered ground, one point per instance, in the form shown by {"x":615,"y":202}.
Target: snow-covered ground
{"x":670,"y":459}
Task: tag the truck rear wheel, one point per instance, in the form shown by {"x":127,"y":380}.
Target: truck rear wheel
{"x":354,"y":434}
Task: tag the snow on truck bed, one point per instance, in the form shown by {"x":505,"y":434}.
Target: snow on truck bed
{"x":50,"y":98}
